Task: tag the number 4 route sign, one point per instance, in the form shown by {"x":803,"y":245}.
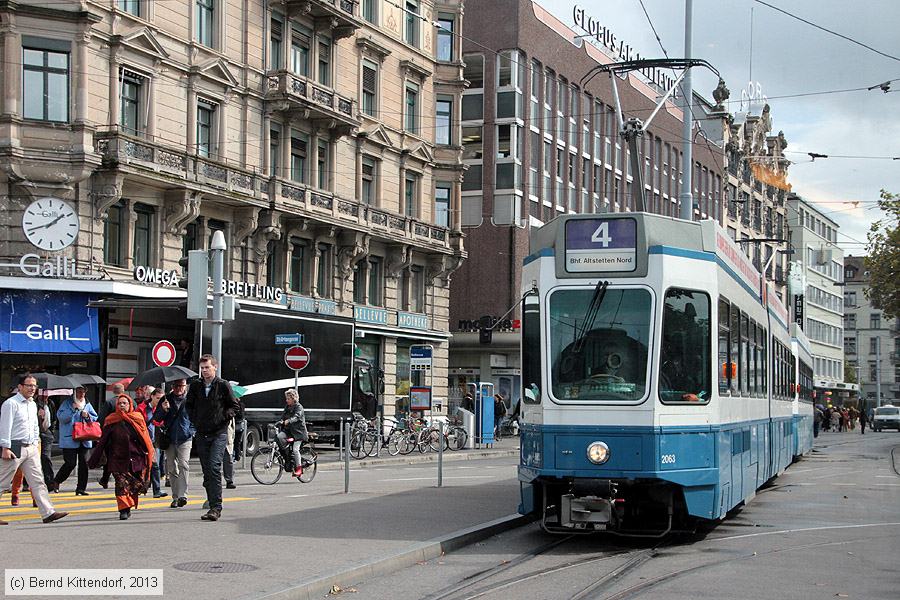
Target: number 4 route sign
{"x":601,"y":245}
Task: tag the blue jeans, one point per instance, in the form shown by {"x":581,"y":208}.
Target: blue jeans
{"x":154,"y":473}
{"x":211,"y":450}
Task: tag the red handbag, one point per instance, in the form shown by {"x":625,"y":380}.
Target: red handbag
{"x":86,"y":431}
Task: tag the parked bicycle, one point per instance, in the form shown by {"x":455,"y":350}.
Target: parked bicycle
{"x":269,"y":462}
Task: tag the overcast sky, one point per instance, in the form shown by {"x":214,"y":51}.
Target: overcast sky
{"x":790,"y":57}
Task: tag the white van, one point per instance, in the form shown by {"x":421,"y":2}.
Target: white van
{"x":886,"y":417}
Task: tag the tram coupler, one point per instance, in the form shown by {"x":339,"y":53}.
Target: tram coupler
{"x":585,"y":512}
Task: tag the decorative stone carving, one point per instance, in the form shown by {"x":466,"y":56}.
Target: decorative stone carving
{"x":443,"y":266}
{"x":267,"y":230}
{"x":720,"y":95}
{"x":182,"y":208}
{"x":246,"y":222}
{"x":348,"y":256}
{"x":399,"y":258}
{"x":106,"y":191}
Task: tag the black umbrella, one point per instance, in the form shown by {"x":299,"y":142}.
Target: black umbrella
{"x":158,"y":375}
{"x":49,"y":381}
{"x":85,"y":379}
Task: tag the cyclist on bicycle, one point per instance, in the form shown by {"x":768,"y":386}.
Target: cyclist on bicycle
{"x":293,"y":425}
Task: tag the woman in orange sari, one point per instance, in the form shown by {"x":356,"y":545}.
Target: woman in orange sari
{"x":126,"y":449}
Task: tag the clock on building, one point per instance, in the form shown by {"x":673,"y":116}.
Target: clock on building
{"x":50,"y":224}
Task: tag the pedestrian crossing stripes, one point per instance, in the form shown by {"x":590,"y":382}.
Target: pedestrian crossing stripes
{"x":95,"y":503}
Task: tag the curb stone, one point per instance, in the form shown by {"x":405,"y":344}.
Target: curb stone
{"x":316,"y":587}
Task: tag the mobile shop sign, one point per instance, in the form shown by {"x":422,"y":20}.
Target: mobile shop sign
{"x":48,"y":323}
{"x":601,"y":245}
{"x":617,"y":47}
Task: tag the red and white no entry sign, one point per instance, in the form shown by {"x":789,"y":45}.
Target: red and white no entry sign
{"x":296,"y":358}
{"x":163,"y":353}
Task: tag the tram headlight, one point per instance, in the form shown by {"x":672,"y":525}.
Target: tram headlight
{"x":598,"y":453}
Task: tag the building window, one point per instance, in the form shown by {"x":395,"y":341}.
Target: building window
{"x":369,"y":88}
{"x":442,"y":192}
{"x":272,"y":262}
{"x":143,"y":234}
{"x":873,"y":345}
{"x":473,"y":147}
{"x":300,"y":51}
{"x":375,"y":296}
{"x":359,"y":283}
{"x":131,"y":103}
{"x":443,"y":121}
{"x":274,"y":149}
{"x":368,"y":11}
{"x":369,"y":172}
{"x":299,"y":144}
{"x":875,"y":321}
{"x":205,"y":18}
{"x":298,"y":260}
{"x":323,"y":275}
{"x":206,"y":112}
{"x":410,"y":192}
{"x":45,"y":85}
{"x":417,"y":289}
{"x":132,"y":7}
{"x":276,"y":45}
{"x":323,"y":160}
{"x":324,"y":61}
{"x":412,"y":108}
{"x":189,"y":241}
{"x":411,"y":31}
{"x":113,"y":235}
{"x":445,"y":38}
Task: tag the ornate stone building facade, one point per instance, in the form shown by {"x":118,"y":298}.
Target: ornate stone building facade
{"x":319,"y":135}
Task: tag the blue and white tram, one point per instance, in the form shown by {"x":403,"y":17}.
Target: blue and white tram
{"x":803,"y":392}
{"x":638,"y":415}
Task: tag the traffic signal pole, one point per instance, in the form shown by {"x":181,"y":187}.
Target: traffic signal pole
{"x":217,"y":249}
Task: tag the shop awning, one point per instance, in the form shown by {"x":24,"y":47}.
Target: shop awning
{"x":131,"y":302}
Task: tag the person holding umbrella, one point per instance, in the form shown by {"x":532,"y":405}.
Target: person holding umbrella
{"x":126,"y":449}
{"x":74,"y":410}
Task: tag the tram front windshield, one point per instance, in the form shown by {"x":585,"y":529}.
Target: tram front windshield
{"x":600,"y":357}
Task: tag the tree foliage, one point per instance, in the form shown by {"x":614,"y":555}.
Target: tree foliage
{"x":883,"y":257}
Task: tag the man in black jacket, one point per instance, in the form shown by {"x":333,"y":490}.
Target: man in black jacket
{"x":293,"y":426}
{"x":211,"y":405}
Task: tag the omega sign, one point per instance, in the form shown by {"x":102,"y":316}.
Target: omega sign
{"x":619,"y":48}
{"x":157,"y":276}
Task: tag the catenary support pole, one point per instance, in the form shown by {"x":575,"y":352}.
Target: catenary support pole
{"x":686,"y":196}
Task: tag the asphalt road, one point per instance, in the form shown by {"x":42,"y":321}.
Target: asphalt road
{"x":829,"y":527}
{"x":270,"y":537}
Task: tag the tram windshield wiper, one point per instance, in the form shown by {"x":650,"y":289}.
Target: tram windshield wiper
{"x":591,"y":315}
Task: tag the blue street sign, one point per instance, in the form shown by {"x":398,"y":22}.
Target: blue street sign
{"x":288,"y":339}
{"x":420,"y":352}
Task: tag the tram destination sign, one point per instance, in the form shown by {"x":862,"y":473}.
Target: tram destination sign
{"x":603,"y":245}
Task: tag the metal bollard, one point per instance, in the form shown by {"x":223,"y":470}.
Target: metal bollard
{"x":341,"y":446}
{"x":244,"y":446}
{"x":441,"y":454}
{"x":347,"y":462}
{"x":380,"y":435}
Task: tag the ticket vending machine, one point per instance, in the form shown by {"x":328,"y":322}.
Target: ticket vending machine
{"x":484,"y":413}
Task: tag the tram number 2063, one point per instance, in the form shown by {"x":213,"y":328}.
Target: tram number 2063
{"x":667,"y":459}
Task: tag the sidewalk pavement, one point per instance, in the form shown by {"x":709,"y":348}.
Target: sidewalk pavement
{"x":290,"y":540}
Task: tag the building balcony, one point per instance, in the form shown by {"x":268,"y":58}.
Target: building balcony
{"x":152,"y":162}
{"x":339,"y":15}
{"x":292,"y":93}
{"x":295,"y":200}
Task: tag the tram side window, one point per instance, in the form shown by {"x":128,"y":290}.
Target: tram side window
{"x":754,"y":363}
{"x":684,"y":372}
{"x":725,"y":360}
{"x":776,"y":364}
{"x":745,"y":356}
{"x":765,"y":363}
{"x":736,"y":349}
{"x":531,"y":350}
